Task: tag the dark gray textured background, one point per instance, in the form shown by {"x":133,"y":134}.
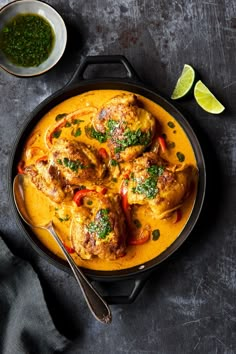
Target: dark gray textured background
{"x":188,"y":305}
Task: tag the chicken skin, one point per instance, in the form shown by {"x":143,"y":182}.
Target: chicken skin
{"x":98,"y":227}
{"x":129,"y":128}
{"x":68,"y":164}
{"x":159,"y":184}
{"x":75,"y":161}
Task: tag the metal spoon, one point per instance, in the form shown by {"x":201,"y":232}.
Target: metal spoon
{"x":96,"y":304}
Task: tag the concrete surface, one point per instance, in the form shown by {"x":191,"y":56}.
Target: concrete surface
{"x":188,"y":304}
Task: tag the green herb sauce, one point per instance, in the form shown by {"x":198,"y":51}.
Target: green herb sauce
{"x":27,"y":40}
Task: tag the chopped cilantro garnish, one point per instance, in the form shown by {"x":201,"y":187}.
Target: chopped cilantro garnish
{"x":133,"y":138}
{"x":148,"y":188}
{"x":92,"y":133}
{"x":137,"y":223}
{"x":155,"y":171}
{"x":77,"y":121}
{"x":76,"y":132}
{"x":60,"y":116}
{"x":81,"y":187}
{"x":67,"y":125}
{"x":102,"y":225}
{"x":73,"y":165}
{"x":112,"y":125}
{"x":180,"y":156}
{"x":65,"y":218}
{"x":171,"y":144}
{"x":155,"y":234}
{"x":171,"y":125}
{"x":113,"y":162}
{"x":126,"y":181}
{"x":56,"y":134}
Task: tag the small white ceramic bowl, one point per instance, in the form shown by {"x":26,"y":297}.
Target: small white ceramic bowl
{"x":51,"y":15}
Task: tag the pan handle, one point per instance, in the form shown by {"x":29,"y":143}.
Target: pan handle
{"x":103,"y":59}
{"x":138,"y":284}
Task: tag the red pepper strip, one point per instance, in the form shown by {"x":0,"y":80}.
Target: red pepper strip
{"x":103,"y":190}
{"x":69,"y":249}
{"x":20,"y":167}
{"x":124,"y":203}
{"x":103,"y":153}
{"x":78,"y":197}
{"x":68,"y":119}
{"x":61,"y":125}
{"x":178,"y":214}
{"x":162,"y":143}
{"x":139,"y":240}
{"x":42,"y":158}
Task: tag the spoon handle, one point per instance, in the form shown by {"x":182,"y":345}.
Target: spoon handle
{"x":96,"y":304}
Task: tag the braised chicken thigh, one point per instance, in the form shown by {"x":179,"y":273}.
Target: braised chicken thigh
{"x":159,"y":184}
{"x":129,"y":128}
{"x":75,"y":161}
{"x":68,"y":164}
{"x":98,"y":227}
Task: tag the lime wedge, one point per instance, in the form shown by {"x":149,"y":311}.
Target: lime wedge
{"x":184,"y":83}
{"x":206,"y":99}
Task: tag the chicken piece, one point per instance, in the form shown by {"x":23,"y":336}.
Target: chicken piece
{"x":47,"y":179}
{"x":155,"y":182}
{"x":68,"y":164}
{"x":98,"y":227}
{"x":76,"y":162}
{"x":129,"y":128}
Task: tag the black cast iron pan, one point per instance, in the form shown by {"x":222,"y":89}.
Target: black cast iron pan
{"x":76,"y":86}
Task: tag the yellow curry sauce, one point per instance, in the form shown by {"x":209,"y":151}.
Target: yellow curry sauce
{"x":42,"y":209}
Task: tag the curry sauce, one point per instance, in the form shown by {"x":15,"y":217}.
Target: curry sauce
{"x":41,"y":209}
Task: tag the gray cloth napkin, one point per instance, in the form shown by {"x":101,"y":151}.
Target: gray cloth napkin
{"x":25,"y":323}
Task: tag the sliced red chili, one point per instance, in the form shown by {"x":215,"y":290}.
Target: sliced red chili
{"x":140,"y":240}
{"x":42,"y":158}
{"x":103,"y":190}
{"x":56,"y":129}
{"x":21,"y":167}
{"x":178,"y":217}
{"x":103,"y":153}
{"x":79,"y":195}
{"x":69,"y":249}
{"x":162,"y":143}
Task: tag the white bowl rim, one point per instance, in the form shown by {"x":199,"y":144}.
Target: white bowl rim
{"x":64,"y":46}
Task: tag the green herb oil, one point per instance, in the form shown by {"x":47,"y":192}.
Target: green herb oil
{"x":27,"y":40}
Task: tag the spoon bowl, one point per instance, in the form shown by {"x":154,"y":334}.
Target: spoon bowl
{"x":96,"y":304}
